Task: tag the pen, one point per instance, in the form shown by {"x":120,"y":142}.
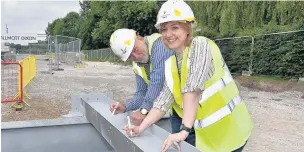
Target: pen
{"x":115,"y":108}
{"x":129,"y":123}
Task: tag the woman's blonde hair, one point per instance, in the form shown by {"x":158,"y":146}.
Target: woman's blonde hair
{"x":187,"y":26}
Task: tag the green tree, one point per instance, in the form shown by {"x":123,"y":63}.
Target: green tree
{"x":274,"y":55}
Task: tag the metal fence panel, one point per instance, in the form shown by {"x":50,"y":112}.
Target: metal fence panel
{"x":11,"y":82}
{"x":103,"y":55}
{"x":264,"y":54}
{"x":64,"y":49}
{"x":251,"y":54}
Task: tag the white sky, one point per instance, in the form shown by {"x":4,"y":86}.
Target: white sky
{"x":30,"y":18}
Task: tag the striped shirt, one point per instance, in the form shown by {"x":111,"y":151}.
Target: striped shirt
{"x":201,"y":69}
{"x":145,"y":94}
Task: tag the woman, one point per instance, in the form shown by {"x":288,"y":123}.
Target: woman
{"x":206,"y":108}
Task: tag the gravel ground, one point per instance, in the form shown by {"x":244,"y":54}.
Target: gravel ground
{"x":278,"y":117}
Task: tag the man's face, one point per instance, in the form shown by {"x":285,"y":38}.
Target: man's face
{"x":139,"y":52}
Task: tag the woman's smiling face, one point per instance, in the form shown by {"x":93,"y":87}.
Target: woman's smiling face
{"x":174,"y":35}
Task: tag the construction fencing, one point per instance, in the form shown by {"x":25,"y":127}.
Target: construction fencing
{"x":265,"y":54}
{"x":37,"y":48}
{"x":8,"y":55}
{"x":11,"y":82}
{"x":64,"y":50}
{"x":102,"y":55}
{"x":15,"y":77}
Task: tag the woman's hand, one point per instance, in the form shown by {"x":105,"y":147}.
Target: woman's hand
{"x":174,"y":139}
{"x":132,"y":130}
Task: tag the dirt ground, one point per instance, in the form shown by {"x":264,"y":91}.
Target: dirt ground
{"x":277,"y":113}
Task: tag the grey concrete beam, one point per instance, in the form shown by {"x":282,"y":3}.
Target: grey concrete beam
{"x":110,"y":127}
{"x":43,"y":123}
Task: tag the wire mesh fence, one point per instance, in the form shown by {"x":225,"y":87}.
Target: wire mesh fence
{"x":8,"y":57}
{"x":64,"y":50}
{"x":37,"y":48}
{"x":11,"y":82}
{"x":103,"y":55}
{"x":8,"y":54}
{"x":237,"y":52}
{"x":280,"y":54}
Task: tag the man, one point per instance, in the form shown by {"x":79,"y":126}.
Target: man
{"x":148,"y":55}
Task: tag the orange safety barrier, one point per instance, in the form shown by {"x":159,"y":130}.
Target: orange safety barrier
{"x":11,"y":82}
{"x":15,"y":76}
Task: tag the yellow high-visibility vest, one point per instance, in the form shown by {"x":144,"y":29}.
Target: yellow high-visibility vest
{"x":141,"y":70}
{"x":223,"y":123}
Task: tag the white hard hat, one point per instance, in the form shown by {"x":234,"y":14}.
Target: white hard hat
{"x":122,"y":42}
{"x":174,"y":10}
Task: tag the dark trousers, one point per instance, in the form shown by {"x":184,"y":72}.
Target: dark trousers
{"x":176,"y":122}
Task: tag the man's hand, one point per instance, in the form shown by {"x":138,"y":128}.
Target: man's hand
{"x":137,"y":118}
{"x":120,"y":108}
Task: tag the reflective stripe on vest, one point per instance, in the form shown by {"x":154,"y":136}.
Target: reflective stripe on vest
{"x":218,"y":115}
{"x":140,"y":70}
{"x":217,"y":86}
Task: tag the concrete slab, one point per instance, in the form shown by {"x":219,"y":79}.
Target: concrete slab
{"x":58,"y":138}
